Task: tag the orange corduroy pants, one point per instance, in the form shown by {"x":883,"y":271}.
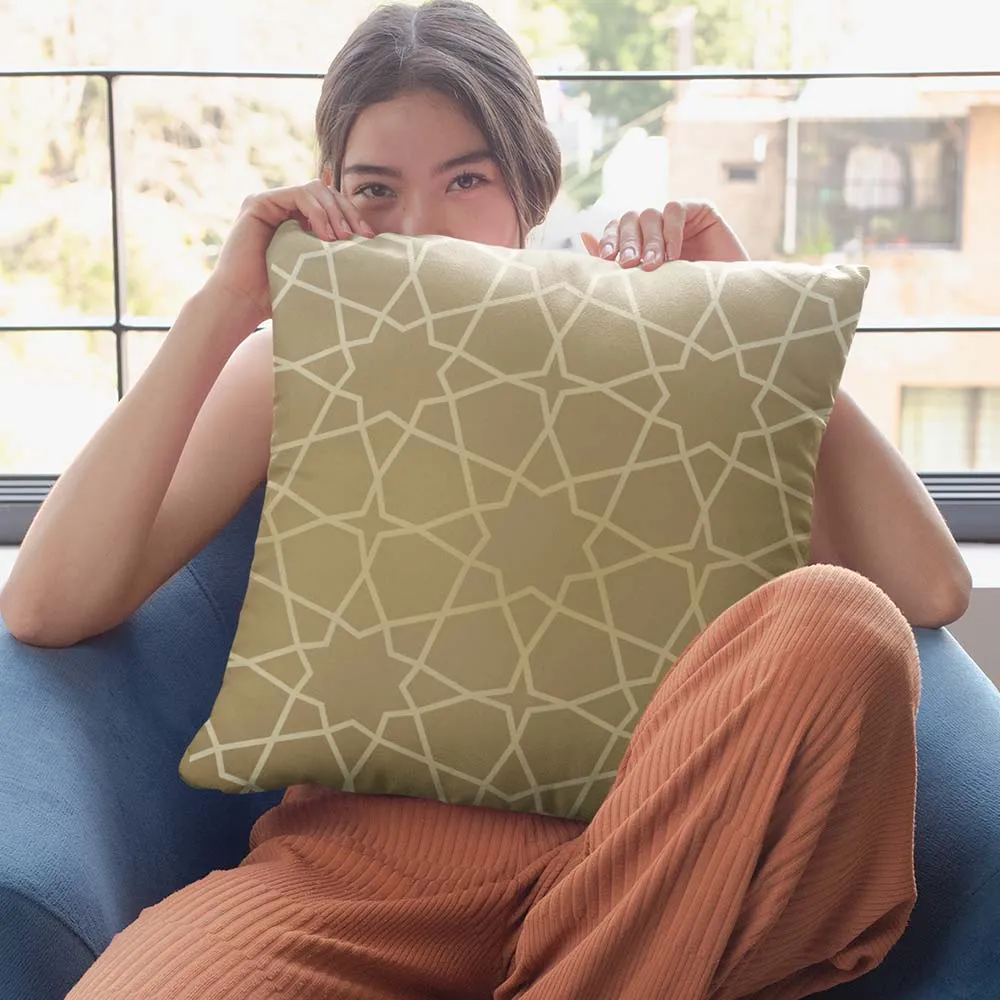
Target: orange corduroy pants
{"x":758,"y":842}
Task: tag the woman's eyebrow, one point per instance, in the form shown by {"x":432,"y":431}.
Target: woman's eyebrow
{"x":476,"y":156}
{"x":370,"y":168}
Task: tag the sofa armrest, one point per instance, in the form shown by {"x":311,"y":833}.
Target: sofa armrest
{"x":951,"y":947}
{"x":97,"y":823}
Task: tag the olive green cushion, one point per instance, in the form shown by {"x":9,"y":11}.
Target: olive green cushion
{"x":506,"y":489}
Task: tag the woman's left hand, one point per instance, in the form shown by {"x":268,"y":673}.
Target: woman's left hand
{"x":684,"y":230}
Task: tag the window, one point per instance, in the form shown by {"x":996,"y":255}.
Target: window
{"x":741,"y":172}
{"x":879,"y":183}
{"x":951,"y":428}
{"x":816,"y":141}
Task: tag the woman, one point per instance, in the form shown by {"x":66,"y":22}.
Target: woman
{"x":759,"y":837}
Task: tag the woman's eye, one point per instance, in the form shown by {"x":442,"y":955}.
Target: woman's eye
{"x":373,"y":191}
{"x":466,"y":182}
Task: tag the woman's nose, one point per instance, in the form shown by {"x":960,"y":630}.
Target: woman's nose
{"x":422,"y":218}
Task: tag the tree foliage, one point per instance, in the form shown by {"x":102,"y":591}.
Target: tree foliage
{"x":643,"y":35}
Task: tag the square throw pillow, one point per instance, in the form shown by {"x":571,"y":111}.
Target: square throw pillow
{"x":506,"y":489}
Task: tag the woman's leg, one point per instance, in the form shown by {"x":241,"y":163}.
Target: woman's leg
{"x":758,"y":841}
{"x":347,"y":896}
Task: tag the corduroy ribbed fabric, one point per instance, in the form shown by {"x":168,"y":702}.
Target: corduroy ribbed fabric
{"x":758,"y":842}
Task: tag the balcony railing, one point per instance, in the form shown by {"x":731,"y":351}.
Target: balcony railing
{"x":970,"y":502}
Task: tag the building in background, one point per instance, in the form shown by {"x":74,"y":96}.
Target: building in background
{"x":902,"y":175}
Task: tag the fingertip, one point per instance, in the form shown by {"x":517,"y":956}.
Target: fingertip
{"x":629,"y":257}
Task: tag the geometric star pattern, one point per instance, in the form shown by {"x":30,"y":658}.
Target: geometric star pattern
{"x":506,"y":489}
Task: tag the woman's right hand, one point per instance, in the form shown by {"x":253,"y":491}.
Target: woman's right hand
{"x":241,"y":270}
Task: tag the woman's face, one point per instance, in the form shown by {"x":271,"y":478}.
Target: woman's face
{"x":415,"y":165}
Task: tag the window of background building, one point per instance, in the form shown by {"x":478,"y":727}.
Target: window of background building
{"x":951,"y":428}
{"x":880,"y":184}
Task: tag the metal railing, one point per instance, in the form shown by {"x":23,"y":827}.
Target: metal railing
{"x":969,"y":501}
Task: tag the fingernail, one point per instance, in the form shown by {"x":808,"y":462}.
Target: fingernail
{"x":608,"y":250}
{"x":628,"y":253}
{"x":649,"y":256}
{"x":668,"y":251}
{"x":367,"y":230}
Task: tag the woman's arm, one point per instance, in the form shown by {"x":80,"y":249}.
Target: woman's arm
{"x":872,"y":514}
{"x":180,"y":452}
{"x":163,"y":474}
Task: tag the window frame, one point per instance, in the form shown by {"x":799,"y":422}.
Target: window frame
{"x":969,"y":502}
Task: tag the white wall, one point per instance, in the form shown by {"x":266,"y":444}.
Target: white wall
{"x":977,"y":630}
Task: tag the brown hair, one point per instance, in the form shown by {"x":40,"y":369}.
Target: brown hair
{"x":454,"y":48}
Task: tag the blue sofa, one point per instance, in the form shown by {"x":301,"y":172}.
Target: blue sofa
{"x":97,"y":824}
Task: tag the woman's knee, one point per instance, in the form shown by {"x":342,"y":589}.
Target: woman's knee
{"x":838,"y":620}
